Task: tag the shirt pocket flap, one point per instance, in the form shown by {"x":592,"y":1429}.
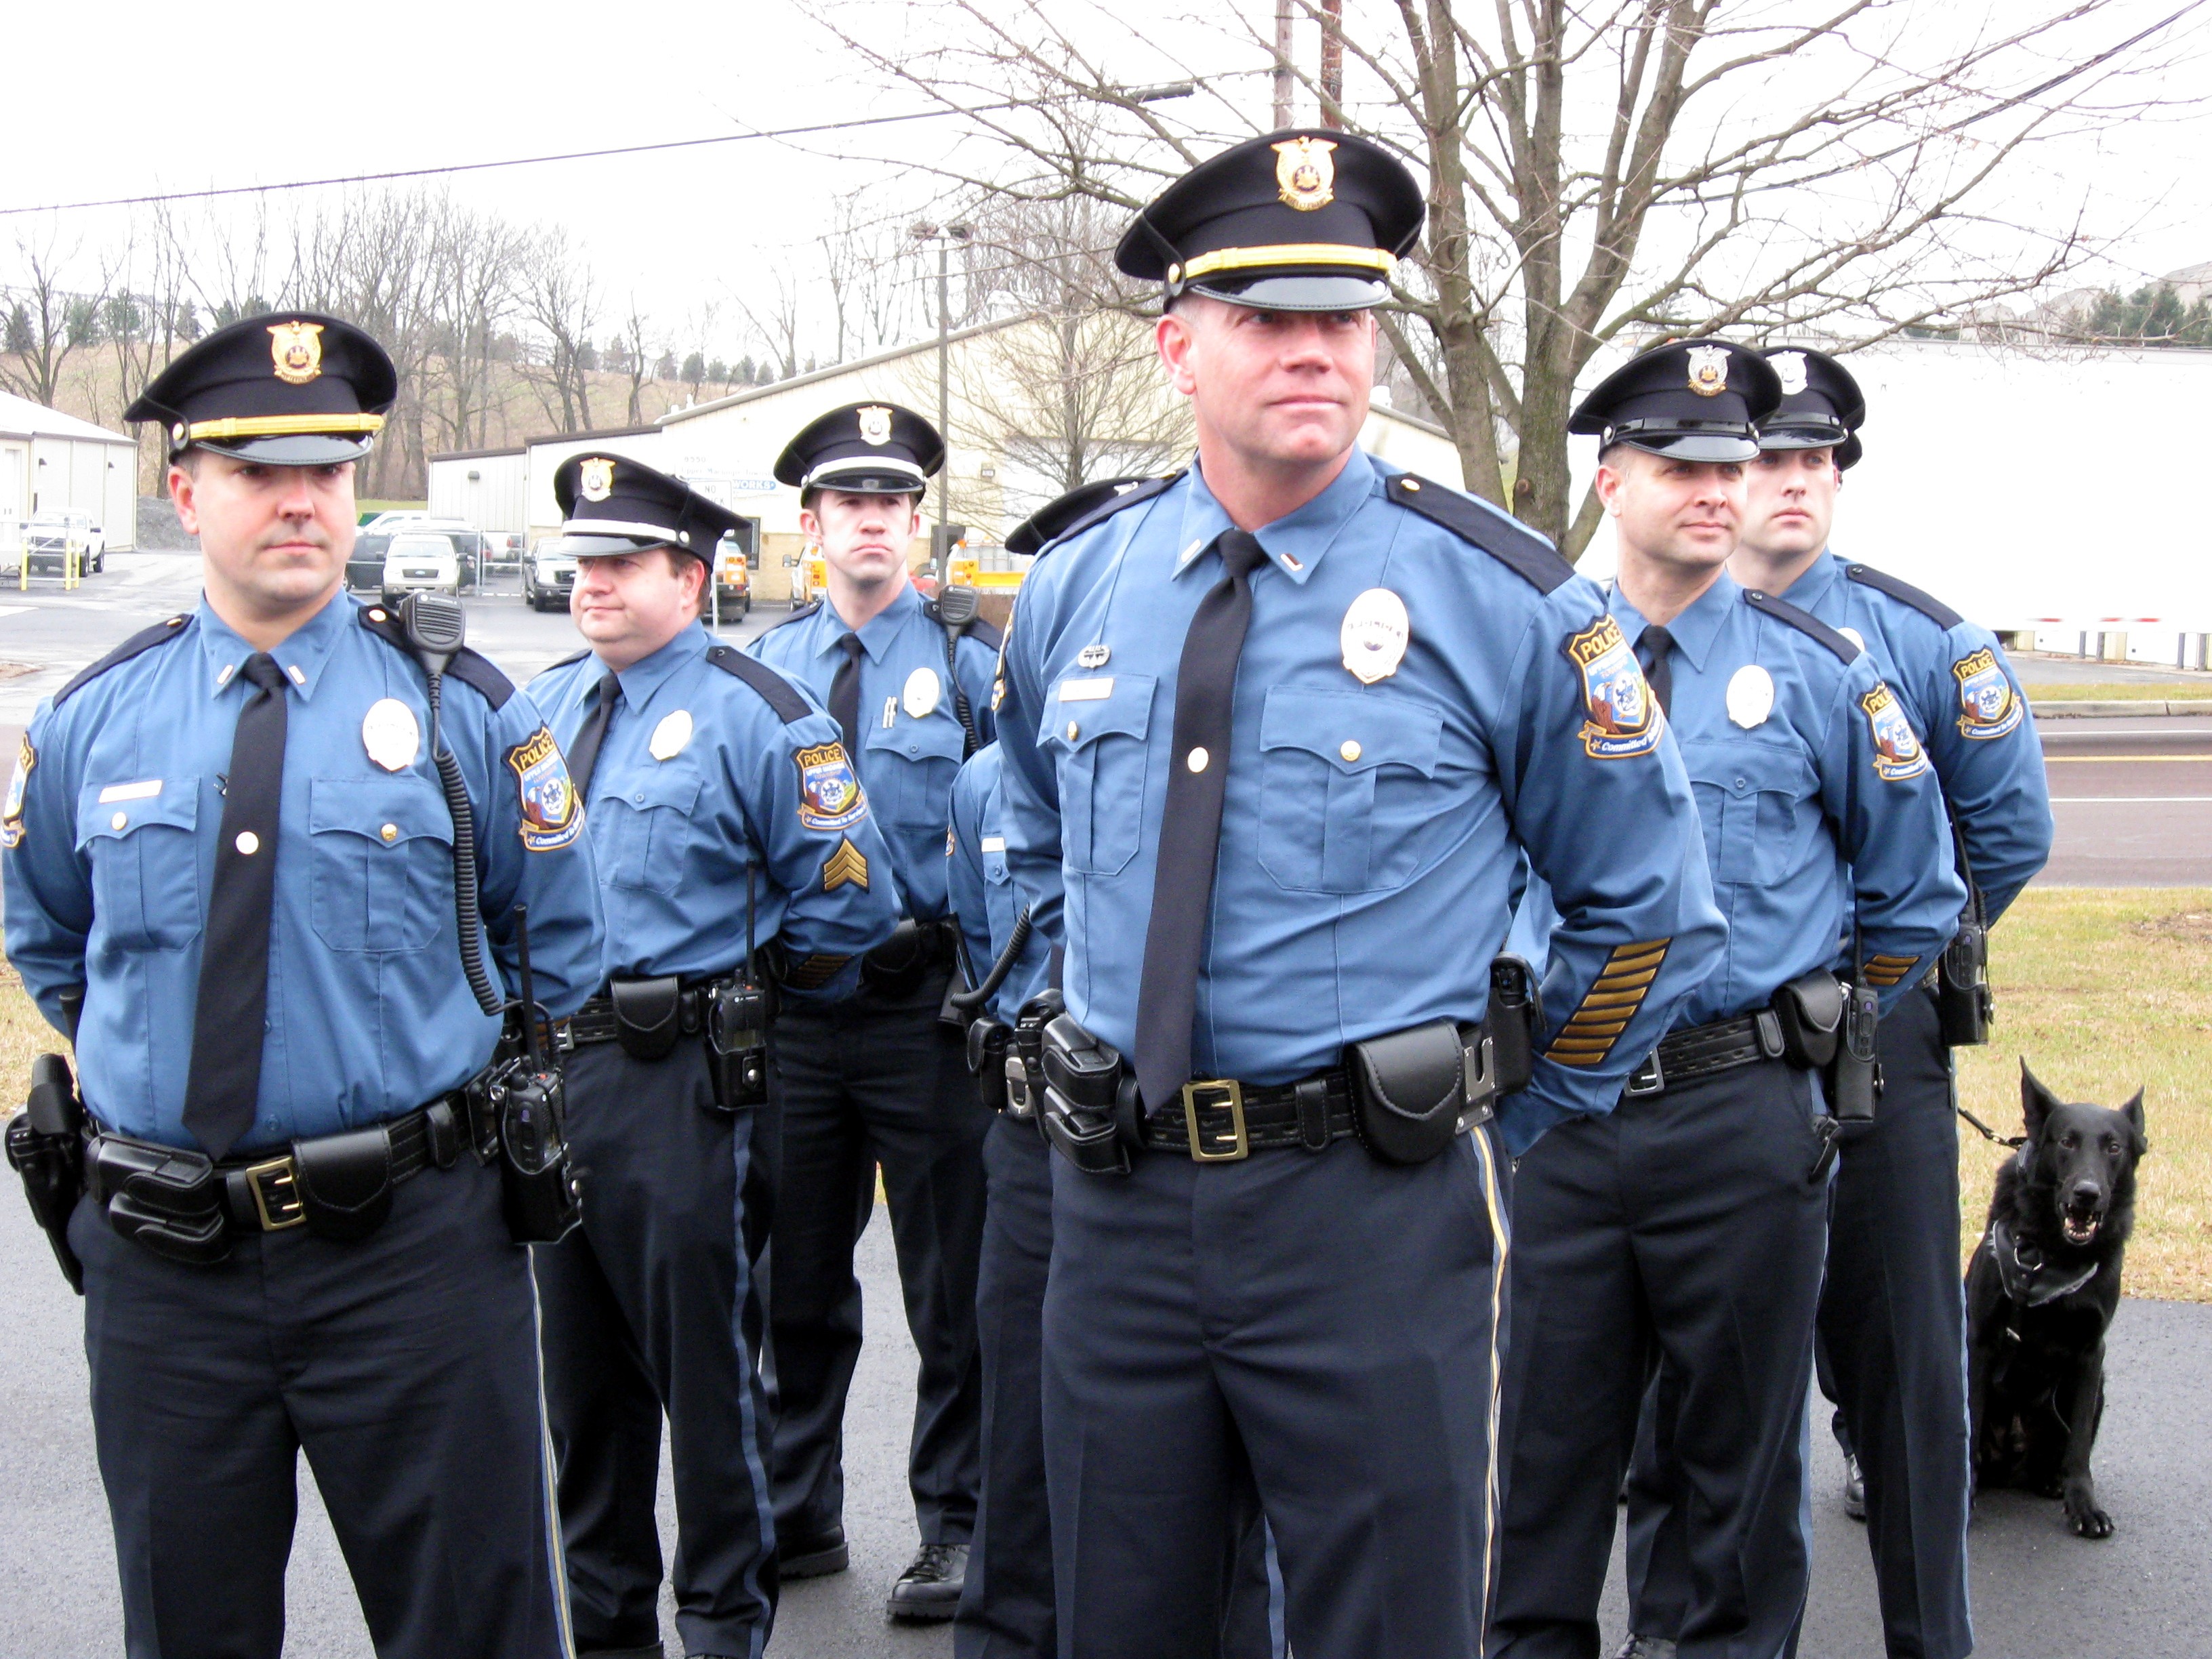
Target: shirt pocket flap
{"x":1124,"y":711}
{"x":174,"y":802}
{"x":927,"y":738}
{"x":1353,"y":732}
{"x":389,"y":811}
{"x":1748,"y":769}
{"x":661,"y":787}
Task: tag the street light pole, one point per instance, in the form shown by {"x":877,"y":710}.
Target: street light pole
{"x":944,"y":236}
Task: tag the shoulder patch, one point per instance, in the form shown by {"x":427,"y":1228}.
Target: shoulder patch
{"x":1988,"y":707}
{"x":1897,"y":750}
{"x":552,"y":817}
{"x":1505,"y":538}
{"x":777,"y":692}
{"x":1804,"y":621}
{"x":1904,"y":592}
{"x":11,"y":819}
{"x":1624,"y":718}
{"x":1107,"y":509}
{"x":137,"y":645}
{"x":830,"y":795}
{"x":469,"y":667}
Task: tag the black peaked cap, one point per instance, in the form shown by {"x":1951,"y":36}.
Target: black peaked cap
{"x":1821,"y":407}
{"x":865,"y":449}
{"x":612,"y":504}
{"x":285,"y":388}
{"x":1690,"y":400}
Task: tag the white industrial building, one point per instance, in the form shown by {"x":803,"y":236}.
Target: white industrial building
{"x":50,"y":462}
{"x":488,"y":488}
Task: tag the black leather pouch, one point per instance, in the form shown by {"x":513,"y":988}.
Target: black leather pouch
{"x":165,"y":1199}
{"x":1408,"y":1089}
{"x":895,"y":967}
{"x":1811,"y":1010}
{"x":345,"y":1183}
{"x":649,"y":1015}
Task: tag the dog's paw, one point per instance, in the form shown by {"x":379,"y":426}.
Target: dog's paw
{"x":2085,"y":1520}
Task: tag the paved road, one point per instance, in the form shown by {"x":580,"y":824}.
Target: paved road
{"x":2133,"y":801}
{"x":2038,"y":1591}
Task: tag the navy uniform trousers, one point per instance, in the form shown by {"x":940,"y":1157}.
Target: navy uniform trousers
{"x":1892,"y":1342}
{"x":404,"y":1365}
{"x":1007,"y":1608}
{"x":1683,"y":1225}
{"x":876,"y":1078}
{"x":650,"y":1308}
{"x":1315,"y":1330}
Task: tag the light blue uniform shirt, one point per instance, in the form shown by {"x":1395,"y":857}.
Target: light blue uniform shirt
{"x":907,"y":759}
{"x":1370,"y":832}
{"x":369,"y":1015}
{"x":983,"y":893}
{"x":698,"y":785}
{"x":1958,"y":686}
{"x":1815,"y":796}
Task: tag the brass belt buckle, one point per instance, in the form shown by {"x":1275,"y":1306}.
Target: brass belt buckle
{"x":279,"y":1209}
{"x":1215,"y":1094}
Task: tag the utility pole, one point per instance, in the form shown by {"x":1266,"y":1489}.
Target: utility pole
{"x":1283,"y":82}
{"x":944,"y":236}
{"x":1331,"y":65}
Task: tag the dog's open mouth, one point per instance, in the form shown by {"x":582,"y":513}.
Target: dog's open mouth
{"x":2080,"y":1227}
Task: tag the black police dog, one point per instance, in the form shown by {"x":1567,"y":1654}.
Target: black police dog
{"x":2041,"y":1293}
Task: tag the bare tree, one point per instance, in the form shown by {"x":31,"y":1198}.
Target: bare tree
{"x":46,"y":321}
{"x":1601,"y":173}
{"x":637,"y":359}
{"x":561,"y":303}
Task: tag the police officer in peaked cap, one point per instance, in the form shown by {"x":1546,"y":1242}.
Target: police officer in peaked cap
{"x":231,"y":873}
{"x":1891,"y":1318}
{"x":731,"y":833}
{"x":1693,"y":1219}
{"x":879,"y":1076}
{"x":1263,"y":723}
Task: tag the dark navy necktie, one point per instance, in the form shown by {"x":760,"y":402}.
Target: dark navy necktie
{"x":584,"y":753}
{"x":1655,"y":647}
{"x":1190,"y":827}
{"x":230,"y":1013}
{"x":845,"y":695}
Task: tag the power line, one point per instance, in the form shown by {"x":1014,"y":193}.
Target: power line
{"x":514,"y":161}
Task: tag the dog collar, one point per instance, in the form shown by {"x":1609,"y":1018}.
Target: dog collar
{"x":2028,"y":1279}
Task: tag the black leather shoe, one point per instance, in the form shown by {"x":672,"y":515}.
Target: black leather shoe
{"x":1854,"y":1490}
{"x":812,"y":1557}
{"x":929,"y":1588}
{"x":1646,"y":1647}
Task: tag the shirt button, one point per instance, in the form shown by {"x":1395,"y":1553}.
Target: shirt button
{"x":248,"y":843}
{"x":1349,"y":749}
{"x":1196,"y":760}
{"x":389,"y":832}
{"x":1070,"y":738}
{"x":118,"y":821}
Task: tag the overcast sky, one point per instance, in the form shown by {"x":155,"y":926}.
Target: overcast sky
{"x":127,"y":98}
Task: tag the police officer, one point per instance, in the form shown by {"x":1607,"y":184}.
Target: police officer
{"x":229,"y":839}
{"x":1892,"y":1322}
{"x":727,"y":821}
{"x":1264,"y":725}
{"x":879,"y":1076}
{"x":1692,"y":1221}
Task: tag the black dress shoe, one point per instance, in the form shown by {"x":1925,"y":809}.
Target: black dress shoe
{"x":1854,"y":1490}
{"x":812,"y":1557}
{"x":1646,"y":1647}
{"x":930,"y":1586}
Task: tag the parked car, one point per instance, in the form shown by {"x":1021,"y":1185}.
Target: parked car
{"x":365,"y":568}
{"x":421,"y":559}
{"x":735,"y":576}
{"x":547,"y":578}
{"x":48,"y":537}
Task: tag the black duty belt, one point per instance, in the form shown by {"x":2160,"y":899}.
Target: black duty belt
{"x":262,"y":1194}
{"x":1217,"y":1119}
{"x":595,"y":1021}
{"x":1706,"y":1051}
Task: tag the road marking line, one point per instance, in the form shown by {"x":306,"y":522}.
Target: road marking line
{"x":15,"y":609}
{"x":2125,"y":760}
{"x":2132,"y":800}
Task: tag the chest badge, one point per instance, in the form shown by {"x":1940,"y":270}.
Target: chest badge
{"x":1375,"y":634}
{"x":922,"y":691}
{"x":669,"y":736}
{"x":1093,"y":656}
{"x":390,"y":735}
{"x":1854,"y":636}
{"x":1750,"y":695}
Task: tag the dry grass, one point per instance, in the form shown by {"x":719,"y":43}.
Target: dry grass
{"x":23,"y":1033}
{"x":2105,"y":991}
{"x":2119,"y":692}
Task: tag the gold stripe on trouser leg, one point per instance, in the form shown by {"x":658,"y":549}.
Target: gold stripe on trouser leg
{"x":1500,"y":1243}
{"x":557,"y":1556}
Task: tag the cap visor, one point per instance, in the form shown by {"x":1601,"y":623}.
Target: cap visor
{"x":1694,"y":446}
{"x":860,"y":482}
{"x":296,"y":449}
{"x":1803,"y":437}
{"x":1302,"y":292}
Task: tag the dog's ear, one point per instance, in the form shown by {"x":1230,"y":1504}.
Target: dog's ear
{"x":2133,"y":1111}
{"x":2035,"y":1101}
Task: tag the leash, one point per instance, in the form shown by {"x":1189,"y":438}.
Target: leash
{"x":1988,"y":1133}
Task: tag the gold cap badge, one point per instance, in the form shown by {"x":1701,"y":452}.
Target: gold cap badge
{"x":1708,"y":370}
{"x":1306,"y":171}
{"x":875,"y":424}
{"x":296,"y":349}
{"x":597,"y":480}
